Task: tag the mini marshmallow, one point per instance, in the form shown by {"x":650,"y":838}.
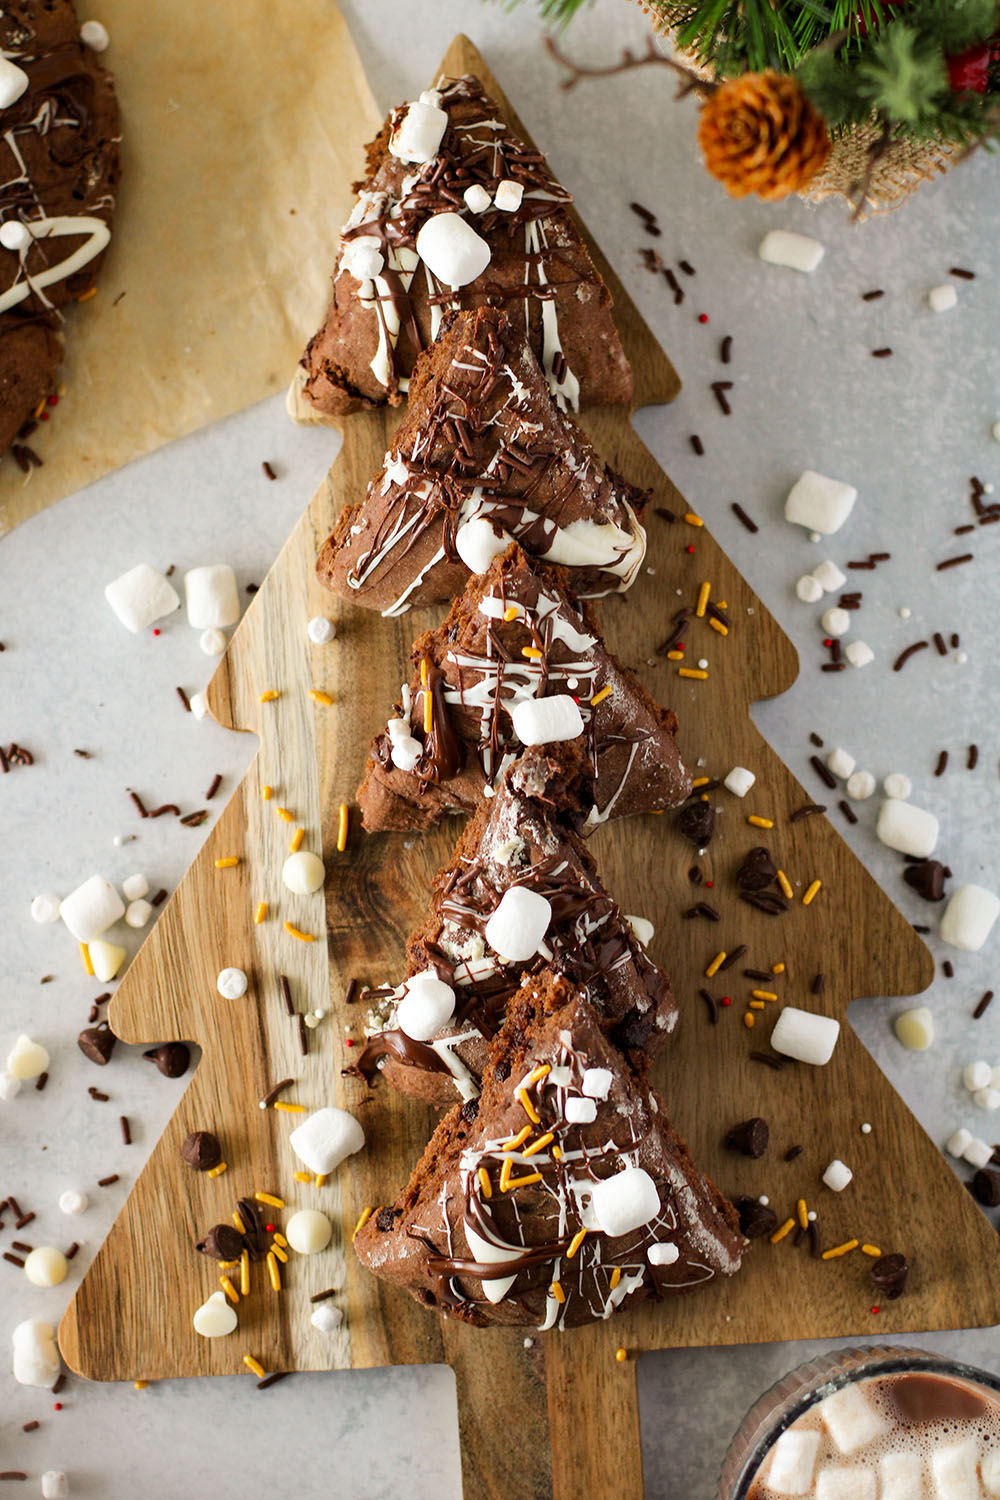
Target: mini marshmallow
{"x":995,"y":1078}
{"x":326,"y":1317}
{"x":942,"y":298}
{"x":13,"y":82}
{"x":405,"y":751}
{"x":141,"y":596}
{"x":819,"y":503}
{"x":809,"y":589}
{"x":989,"y":1471}
{"x":901,"y":1476}
{"x":232,"y":984}
{"x":508,"y":195}
{"x":969,"y":917}
{"x":837,"y":1176}
{"x":908,"y":828}
{"x":9,"y":1087}
{"x":106,"y":958}
{"x":793,"y":1462}
{"x":45,"y":909}
{"x":799,"y":252}
{"x":212,"y":642}
{"x":211,"y":596}
{"x":418,"y":132}
{"x":325,"y":1139}
{"x":35,"y":1356}
{"x":840,"y":762}
{"x":55,"y":1485}
{"x":956,"y":1145}
{"x":977,"y":1153}
{"x":955,"y":1467}
{"x":46,"y":1266}
{"x":829,"y":577}
{"x":92,"y":908}
{"x":739,"y":781}
{"x":72,"y":1201}
{"x":861,"y":786}
{"x":850,"y":1419}
{"x":580,"y":1111}
{"x":199,"y":705}
{"x":836,"y":622}
{"x":215,"y":1318}
{"x":477,"y":199}
{"x":859,"y":654}
{"x":363,"y":258}
{"x":915,"y":1028}
{"x":625,"y":1201}
{"x":308,"y":1231}
{"x":642,"y":928}
{"x":320,"y":630}
{"x":477,"y":544}
{"x":95,"y":36}
{"x":543,"y":721}
{"x":846,"y":1483}
{"x":663,"y":1253}
{"x":977,"y":1075}
{"x":27,"y":1059}
{"x":897,"y":785}
{"x":303,"y":872}
{"x":597,"y":1082}
{"x":804,"y":1035}
{"x":987,"y":1098}
{"x":427,"y":1005}
{"x":14,"y":235}
{"x":138,"y":913}
{"x":452,"y":250}
{"x":134,"y":887}
{"x":518,"y":924}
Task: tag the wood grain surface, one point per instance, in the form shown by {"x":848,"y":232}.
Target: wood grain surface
{"x":559,"y":1418}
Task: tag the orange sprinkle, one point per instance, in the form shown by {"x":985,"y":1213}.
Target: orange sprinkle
{"x":245,"y":1273}
{"x":675,"y":656}
{"x":289,"y":1109}
{"x":511,"y":613}
{"x":871,"y":1250}
{"x":839,"y":1250}
{"x":279,"y":1239}
{"x":85,"y":955}
{"x":786,"y":885}
{"x":748,"y":1020}
{"x":533,"y":653}
{"x":693,"y":520}
{"x":320,"y":1179}
{"x":616,"y":1276}
{"x":521,"y":1095}
{"x":428,"y":712}
{"x":716,"y":964}
{"x":516,"y":1182}
{"x":600,"y":697}
{"x":505,"y":1172}
{"x":758,"y":822}
{"x":756,"y":1004}
{"x":575,"y":1243}
{"x":365,"y":1216}
{"x":279,"y":1254}
{"x":700,"y":781}
{"x":254,"y":1365}
{"x":266,"y":792}
{"x":270,"y":1199}
{"x":319,"y":697}
{"x":703,"y":597}
{"x":695,"y":672}
{"x":812,"y":892}
{"x":485,"y":1186}
{"x":40,"y":408}
{"x":139,"y":1385}
{"x":285,"y":814}
{"x":241,"y":1227}
{"x":293,"y":931}
{"x":537,"y":1074}
{"x":763,"y":994}
{"x":621,"y":1355}
{"x":718,"y":625}
{"x":343,"y":818}
{"x":295,"y":842}
{"x":218,"y":1171}
{"x":86,"y":296}
{"x":556,"y":1291}
{"x":539,"y":1144}
{"x":517,"y":1140}
{"x":803,"y":1213}
{"x":302,"y":1176}
{"x":556,"y":1153}
{"x":423,"y":671}
{"x":229,"y":1289}
{"x":786,"y":1228}
{"x":777,"y":968}
{"x":260,"y":912}
{"x":228,"y":862}
{"x":270,"y":695}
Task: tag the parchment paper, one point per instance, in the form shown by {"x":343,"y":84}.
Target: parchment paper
{"x":244,"y":122}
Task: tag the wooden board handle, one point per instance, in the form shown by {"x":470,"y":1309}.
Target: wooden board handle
{"x":502,"y":1420}
{"x":593,"y":1417}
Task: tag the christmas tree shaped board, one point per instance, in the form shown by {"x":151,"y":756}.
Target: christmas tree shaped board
{"x":568,"y":1404}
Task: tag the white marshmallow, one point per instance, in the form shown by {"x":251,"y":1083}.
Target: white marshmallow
{"x":597,"y":1082}
{"x":642,"y":928}
{"x":55,"y":1485}
{"x":27,"y":1059}
{"x":543,"y":721}
{"x":199,"y":705}
{"x":326,"y":1317}
{"x":850,"y":1419}
{"x":942,"y":298}
{"x":14,"y":235}
{"x":92,"y":908}
{"x":452,"y":250}
{"x":897,"y":785}
{"x":860,"y":786}
{"x":232,"y":983}
{"x":836,"y":622}
{"x":134,"y":887}
{"x":793,"y":1462}
{"x":829,"y":577}
{"x":417,"y":134}
{"x":303,"y":872}
{"x":518,"y":924}
{"x":580,"y":1111}
{"x":215,"y":1318}
{"x":404,"y":750}
{"x":320,"y":630}
{"x":625,"y":1201}
{"x":957,"y":1144}
{"x":45,"y":909}
{"x":995,"y":1078}
{"x":841,"y":762}
{"x":95,"y":36}
{"x":739,"y":781}
{"x":13,"y":82}
{"x":989,"y":1471}
{"x":819,"y":503}
{"x":35,"y":1356}
{"x":663,"y":1253}
{"x":837,"y":1176}
{"x":969,"y":917}
{"x":799,"y":252}
{"x":72,"y":1201}
{"x":427,"y":1005}
{"x":141,"y":596}
{"x":804,"y":1035}
{"x":211,"y":596}
{"x":977,"y":1153}
{"x":955,"y":1467}
{"x":326,"y":1138}
{"x":212,"y":642}
{"x":846,"y":1483}
{"x":809,"y":589}
{"x":46,"y":1266}
{"x":106,"y":958}
{"x":977,"y":1075}
{"x":363,"y":258}
{"x":508,"y":195}
{"x":908,"y":828}
{"x":987,"y":1098}
{"x":901,"y":1476}
{"x":138,"y":913}
{"x":859,"y":654}
{"x":477,"y":199}
{"x":9,"y":1087}
{"x":915,"y":1028}
{"x":477,"y":544}
{"x":308,"y":1231}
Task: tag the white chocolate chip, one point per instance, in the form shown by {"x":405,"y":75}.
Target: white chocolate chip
{"x":27,"y":1059}
{"x":9,"y":1087}
{"x":46,"y":1266}
{"x":199,"y":705}
{"x":303,"y":872}
{"x":643,"y":929}
{"x":106,"y":958}
{"x":215,"y":1318}
{"x":232,"y":984}
{"x":308,"y":1231}
{"x":915,"y":1028}
{"x":14,"y":235}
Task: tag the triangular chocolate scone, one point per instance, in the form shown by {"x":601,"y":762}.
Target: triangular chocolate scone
{"x":505,"y":237}
{"x":521,"y":891}
{"x":483,"y":455}
{"x":560,"y":1195}
{"x":517,"y":652}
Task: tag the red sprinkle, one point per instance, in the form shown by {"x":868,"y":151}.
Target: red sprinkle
{"x":680,"y":644}
{"x":703,"y":317}
{"x":827,"y":641}
{"x":725,"y":1000}
{"x":57,"y":1406}
{"x":52,"y":400}
{"x":689,"y":549}
{"x":709,"y":884}
{"x":44,"y":417}
{"x":269,"y":1228}
{"x":156,"y":631}
{"x":874,"y":1309}
{"x":348,"y":1042}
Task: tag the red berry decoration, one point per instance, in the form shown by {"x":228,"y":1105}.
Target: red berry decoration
{"x":968,"y":71}
{"x":861,"y":25}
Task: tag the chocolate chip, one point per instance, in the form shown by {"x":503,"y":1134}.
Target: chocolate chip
{"x":385,"y":1219}
{"x":172,"y":1058}
{"x":696,"y":821}
{"x":986,"y":1187}
{"x":201,"y":1150}
{"x":757,"y":870}
{"x":927,"y":878}
{"x":889,"y":1274}
{"x":750,"y":1137}
{"x":501,"y":1070}
{"x":97,"y":1043}
{"x":756,"y":1219}
{"x":470,"y":1109}
{"x":222,"y":1242}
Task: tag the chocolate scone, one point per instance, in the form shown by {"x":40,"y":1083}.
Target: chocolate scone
{"x":559,"y":1196}
{"x":59,"y":170}
{"x":504,"y":237}
{"x":516,"y":653}
{"x":521,"y":891}
{"x":483,"y":455}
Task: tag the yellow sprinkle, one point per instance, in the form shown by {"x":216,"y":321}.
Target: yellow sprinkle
{"x":217,"y":1171}
{"x":621,"y":1355}
{"x":695,"y":672}
{"x":693,"y":520}
{"x":786,"y":1228}
{"x":428,"y":712}
{"x":600,"y":697}
{"x":675,"y":656}
{"x":239,"y":1222}
{"x":271,"y":1199}
{"x":556,"y":1153}
{"x":229,"y":862}
{"x":616,"y":1276}
{"x":85,"y":955}
{"x":343,"y":818}
{"x":703,"y":595}
{"x":260,"y":912}
{"x":575,"y":1243}
{"x":295,"y":932}
{"x":245,"y":1273}
{"x":537,"y":1074}
{"x":282,"y":1255}
{"x":40,"y":408}
{"x":700,"y":781}
{"x":838,"y":1250}
{"x":279,"y":1239}
{"x":229,"y":1289}
{"x":718,"y":625}
{"x":274,"y":1270}
{"x":289,"y":1109}
{"x":423,"y":671}
{"x":302,"y":1176}
{"x":540,"y":1144}
{"x":521,"y":1095}
{"x":319,"y":697}
{"x":748,"y":1020}
{"x":786,"y":884}
{"x":511,"y":612}
{"x":715,"y":965}
{"x":266,"y":792}
{"x":813,"y":891}
{"x":763,"y":994}
{"x":777,"y":968}
{"x":871,"y":1250}
{"x":756,"y":1004}
{"x":295,"y":842}
{"x":254,"y":1365}
{"x":517,"y":1140}
{"x":515,"y":1182}
{"x":722,"y":604}
{"x":365,"y":1216}
{"x":803,"y":1213}
{"x":319,"y":1179}
{"x":284,"y":813}
{"x":505,"y":1172}
{"x":86,"y":296}
{"x":532,"y":653}
{"x":556,"y":1291}
{"x":758,"y":822}
{"x":484,"y":1183}
{"x":270,"y":695}
{"x":139,"y":1385}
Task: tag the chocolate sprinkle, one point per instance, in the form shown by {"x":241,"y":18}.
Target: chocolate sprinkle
{"x":807,"y":811}
{"x":769,"y":1059}
{"x":713,"y":1006}
{"x":719,"y":389}
{"x":750,"y":1137}
{"x":773,"y":903}
{"x":159,"y":898}
{"x":848,"y":811}
{"x":278,"y":1088}
{"x":972,"y":758}
{"x":824,"y":774}
{"x":732,"y":958}
{"x":961,"y":272}
{"x":814,"y":739}
{"x":96,"y":1095}
{"x":726,"y":349}
{"x":268,"y":471}
{"x":274,"y":1377}
{"x":73,"y":1251}
{"x":182,"y":695}
{"x":107,"y":1181}
{"x":30,"y":1426}
{"x":872,"y":296}
{"x":792,"y":1153}
{"x":948,"y":969}
{"x":126,"y":1130}
{"x":216,"y":783}
{"x":983,"y":1006}
{"x":882,"y":353}
{"x":954,"y":562}
{"x":904,"y":656}
{"x":942,"y":763}
{"x":323,"y":1296}
{"x":818,"y":984}
{"x":741,"y":516}
{"x":286,"y":994}
{"x":697,"y":444}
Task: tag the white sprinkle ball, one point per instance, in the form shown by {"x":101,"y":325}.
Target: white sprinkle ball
{"x":905,"y":612}
{"x":703,"y":663}
{"x":866,"y":1129}
{"x":14,"y":235}
{"x":811,"y":1216}
{"x":95,"y":36}
{"x":764,"y":1200}
{"x":961,"y":657}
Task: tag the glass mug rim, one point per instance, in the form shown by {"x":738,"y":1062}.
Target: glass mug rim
{"x":885,"y":1360}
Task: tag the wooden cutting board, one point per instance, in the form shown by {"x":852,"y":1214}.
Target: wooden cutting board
{"x":560,"y":1417}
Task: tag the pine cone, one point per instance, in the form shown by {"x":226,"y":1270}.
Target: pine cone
{"x":760,"y":134}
